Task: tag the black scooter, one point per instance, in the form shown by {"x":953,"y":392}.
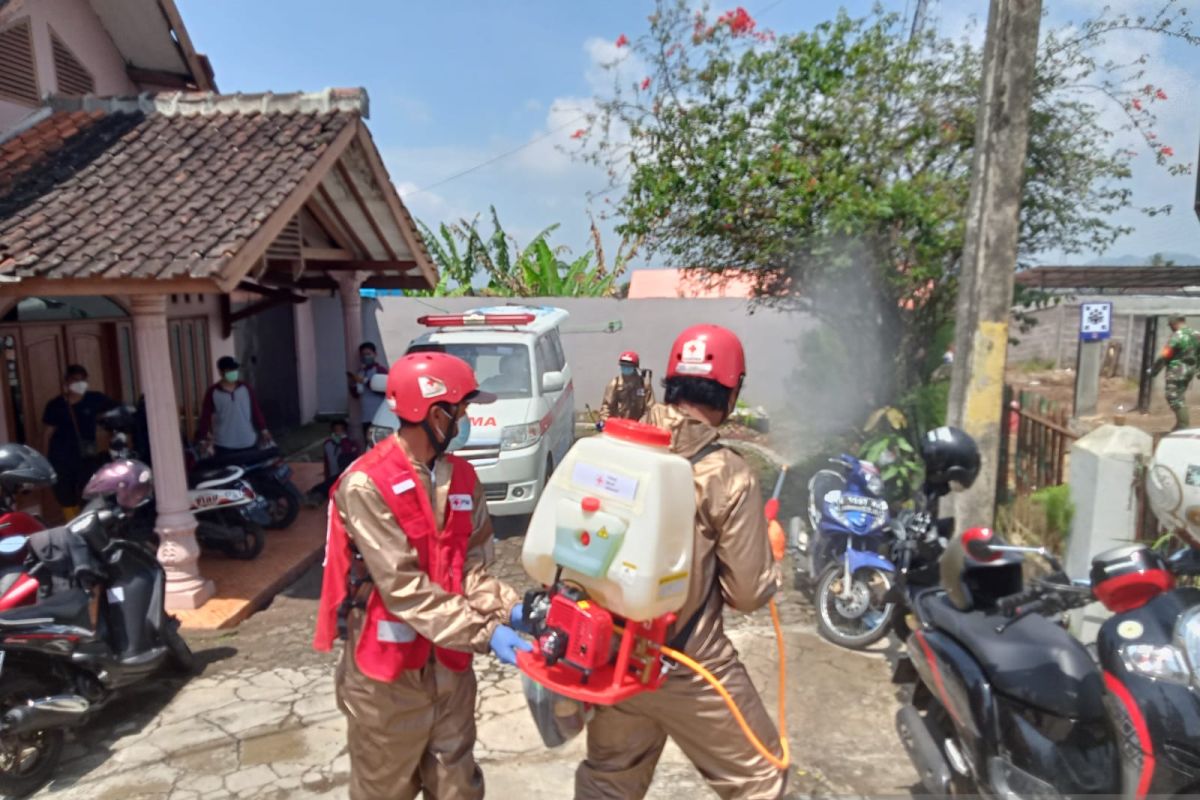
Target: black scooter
{"x":100,"y":627}
{"x":1008,"y":704}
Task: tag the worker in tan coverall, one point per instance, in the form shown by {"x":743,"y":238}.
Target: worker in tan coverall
{"x":629,"y":395}
{"x":406,"y":583}
{"x":732,"y":566}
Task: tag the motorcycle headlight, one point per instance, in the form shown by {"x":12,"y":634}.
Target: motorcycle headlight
{"x":1161,"y":662}
{"x":875,"y":485}
{"x":1187,"y":637}
{"x":515,"y":437}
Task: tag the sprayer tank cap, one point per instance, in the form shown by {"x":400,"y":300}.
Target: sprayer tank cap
{"x":637,"y":432}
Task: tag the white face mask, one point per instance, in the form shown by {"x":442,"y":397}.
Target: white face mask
{"x":78,"y":387}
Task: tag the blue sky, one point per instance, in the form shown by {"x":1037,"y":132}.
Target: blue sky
{"x":458,"y":82}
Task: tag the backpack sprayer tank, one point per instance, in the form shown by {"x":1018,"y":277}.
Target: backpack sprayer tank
{"x":611,"y":542}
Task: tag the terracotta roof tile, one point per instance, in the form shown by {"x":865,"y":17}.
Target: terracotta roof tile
{"x":154,"y":190}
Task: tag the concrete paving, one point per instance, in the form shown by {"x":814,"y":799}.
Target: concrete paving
{"x":260,"y":721}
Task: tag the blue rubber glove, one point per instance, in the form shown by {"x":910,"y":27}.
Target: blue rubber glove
{"x":517,"y":617}
{"x":506,"y":642}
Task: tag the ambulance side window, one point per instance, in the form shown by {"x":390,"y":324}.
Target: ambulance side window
{"x":560,"y":359}
{"x":545,"y":357}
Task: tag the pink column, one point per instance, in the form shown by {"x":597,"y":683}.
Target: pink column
{"x":348,"y":285}
{"x":176,"y":527}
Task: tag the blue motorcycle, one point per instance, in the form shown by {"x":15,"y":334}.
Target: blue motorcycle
{"x":845,"y":554}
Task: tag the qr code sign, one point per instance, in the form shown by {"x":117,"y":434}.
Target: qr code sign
{"x":1095,"y":321}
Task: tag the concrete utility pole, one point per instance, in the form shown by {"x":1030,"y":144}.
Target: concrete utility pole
{"x":990,"y":252}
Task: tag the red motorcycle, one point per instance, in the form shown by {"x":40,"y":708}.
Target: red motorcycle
{"x":21,"y":468}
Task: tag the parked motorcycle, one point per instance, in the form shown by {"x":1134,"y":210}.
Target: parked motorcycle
{"x":230,"y":515}
{"x":21,"y":468}
{"x":843,"y":555}
{"x":1008,"y":704}
{"x":270,"y":476}
{"x":102,"y":628}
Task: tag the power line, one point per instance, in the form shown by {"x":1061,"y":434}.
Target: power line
{"x":500,"y":156}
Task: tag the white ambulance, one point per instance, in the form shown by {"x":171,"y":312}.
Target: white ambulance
{"x":517,"y":355}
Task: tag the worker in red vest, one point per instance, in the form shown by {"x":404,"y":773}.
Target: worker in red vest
{"x":406,"y":584}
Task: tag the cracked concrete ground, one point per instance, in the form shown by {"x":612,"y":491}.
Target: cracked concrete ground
{"x":260,"y":721}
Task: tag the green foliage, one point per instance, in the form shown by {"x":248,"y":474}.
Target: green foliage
{"x":463,"y":252}
{"x":845,"y":153}
{"x":888,"y":447}
{"x":1058,"y":510}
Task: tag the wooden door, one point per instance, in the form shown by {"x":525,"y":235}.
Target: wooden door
{"x":44,"y":355}
{"x":92,"y":345}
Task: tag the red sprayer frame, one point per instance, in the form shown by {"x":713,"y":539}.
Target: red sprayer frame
{"x":637,"y":667}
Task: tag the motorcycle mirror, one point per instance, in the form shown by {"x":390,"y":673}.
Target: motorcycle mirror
{"x":978,"y":544}
{"x":12,"y":545}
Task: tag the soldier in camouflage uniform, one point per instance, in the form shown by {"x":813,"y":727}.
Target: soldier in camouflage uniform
{"x":1181,"y":356}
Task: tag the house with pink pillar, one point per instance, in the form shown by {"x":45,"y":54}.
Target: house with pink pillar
{"x":146,"y":218}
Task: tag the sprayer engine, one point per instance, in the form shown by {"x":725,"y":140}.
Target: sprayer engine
{"x":585,"y":653}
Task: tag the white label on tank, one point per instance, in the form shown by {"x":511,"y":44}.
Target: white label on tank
{"x":597,"y":479}
{"x":672,"y":585}
{"x":116,"y":595}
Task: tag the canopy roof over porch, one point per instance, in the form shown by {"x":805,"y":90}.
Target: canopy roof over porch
{"x":202,"y":193}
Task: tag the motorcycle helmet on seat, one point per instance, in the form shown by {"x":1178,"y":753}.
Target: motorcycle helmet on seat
{"x":128,"y":481}
{"x":22,"y":466}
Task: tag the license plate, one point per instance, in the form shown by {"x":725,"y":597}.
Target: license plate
{"x":857,"y":501}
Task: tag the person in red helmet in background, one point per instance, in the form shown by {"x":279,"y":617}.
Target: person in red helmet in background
{"x":406,"y":584}
{"x":629,"y":395}
{"x":732,"y":566}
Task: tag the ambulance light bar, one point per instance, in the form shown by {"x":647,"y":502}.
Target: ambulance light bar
{"x":467,"y":320}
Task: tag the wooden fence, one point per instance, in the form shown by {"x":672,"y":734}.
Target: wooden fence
{"x":1036,"y":443}
{"x":1034,"y":452}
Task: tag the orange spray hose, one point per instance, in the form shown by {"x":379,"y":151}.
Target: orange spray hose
{"x":779,"y":762}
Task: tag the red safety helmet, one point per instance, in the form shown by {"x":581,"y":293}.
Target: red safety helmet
{"x":421,"y":380}
{"x":630,"y":357}
{"x":708,"y":351}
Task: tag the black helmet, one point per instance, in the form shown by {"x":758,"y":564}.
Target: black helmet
{"x":22,"y":466}
{"x":949,"y":455}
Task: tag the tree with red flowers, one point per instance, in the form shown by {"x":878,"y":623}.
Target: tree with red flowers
{"x":836,"y":161}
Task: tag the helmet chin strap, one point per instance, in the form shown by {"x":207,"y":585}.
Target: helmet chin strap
{"x":439,"y":446}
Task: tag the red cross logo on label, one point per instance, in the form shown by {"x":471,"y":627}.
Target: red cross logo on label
{"x":695,"y":350}
{"x":431,"y":387}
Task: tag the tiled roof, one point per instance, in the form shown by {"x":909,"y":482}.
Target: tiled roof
{"x":166,"y":186}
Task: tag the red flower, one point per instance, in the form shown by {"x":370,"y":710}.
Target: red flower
{"x":1167,"y":151}
{"x":645,"y":83}
{"x":579,"y":133}
{"x":1151,"y":135}
{"x":739,"y":21}
{"x":1137,"y":104}
{"x":622,"y":40}
{"x":1160,"y":94}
